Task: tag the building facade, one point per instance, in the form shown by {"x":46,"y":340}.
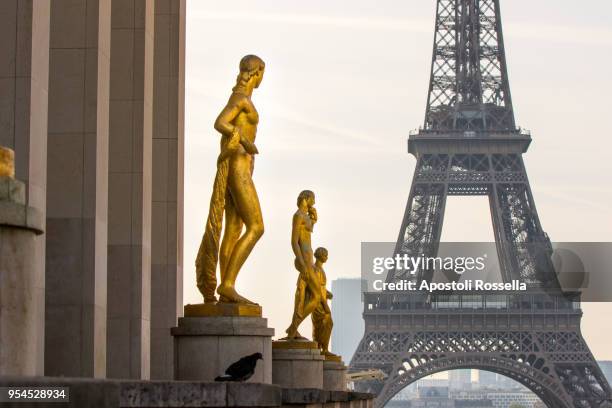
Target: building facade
{"x":347,"y":307}
{"x":606,"y":368}
{"x":487,"y":379}
{"x":92,"y":103}
{"x":460,"y":379}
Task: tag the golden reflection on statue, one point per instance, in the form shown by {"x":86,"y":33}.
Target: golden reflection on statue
{"x":234,"y":193}
{"x":308,"y":291}
{"x":321,"y":317}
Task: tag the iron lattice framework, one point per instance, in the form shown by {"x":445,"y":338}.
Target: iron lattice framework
{"x":533,"y":338}
{"x":470,"y":145}
{"x":469,"y":87}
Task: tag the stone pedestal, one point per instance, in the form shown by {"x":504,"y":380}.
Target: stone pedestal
{"x":211,"y":337}
{"x":334,"y":375}
{"x":297,"y":364}
{"x":22,"y":292}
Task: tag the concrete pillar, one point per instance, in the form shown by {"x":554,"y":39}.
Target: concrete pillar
{"x":77,"y":169}
{"x":129,"y":200}
{"x":167,"y":207}
{"x":21,"y":300}
{"x":24,"y":76}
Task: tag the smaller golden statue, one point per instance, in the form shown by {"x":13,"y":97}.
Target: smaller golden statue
{"x":7,"y":162}
{"x":308,"y":294}
{"x":321,"y":317}
{"x":233,"y":192}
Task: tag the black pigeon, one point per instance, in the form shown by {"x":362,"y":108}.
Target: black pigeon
{"x":242,"y":369}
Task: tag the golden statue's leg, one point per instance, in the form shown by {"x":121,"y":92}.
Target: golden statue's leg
{"x":317,"y":317}
{"x":322,"y":325}
{"x":311,"y":300}
{"x":300,"y":296}
{"x":247,"y":205}
{"x":231,"y":234}
{"x":314,"y":289}
{"x":298,"y":308}
{"x":326,"y":330}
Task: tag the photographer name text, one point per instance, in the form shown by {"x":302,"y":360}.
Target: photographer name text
{"x":467,"y":285}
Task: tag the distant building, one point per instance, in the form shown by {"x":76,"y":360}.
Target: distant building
{"x":432,"y":397}
{"x":487,"y":379}
{"x":411,"y":391}
{"x":500,"y":398}
{"x":406,"y":393}
{"x":470,"y":395}
{"x":484,"y":403}
{"x":506,"y":382}
{"x":432,"y":382}
{"x":606,"y":367}
{"x":347,"y":310}
{"x":433,"y":392}
{"x":505,"y":399}
{"x":440,"y":403}
{"x":460,"y":379}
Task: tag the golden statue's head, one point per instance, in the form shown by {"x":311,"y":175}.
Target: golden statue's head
{"x":321,"y":254}
{"x":251,"y":69}
{"x":7,"y":162}
{"x":307,"y":196}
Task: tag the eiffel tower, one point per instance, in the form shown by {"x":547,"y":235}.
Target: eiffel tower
{"x":470,"y":145}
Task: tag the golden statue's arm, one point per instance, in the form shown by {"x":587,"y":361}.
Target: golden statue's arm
{"x":295,"y":241}
{"x":225,"y":125}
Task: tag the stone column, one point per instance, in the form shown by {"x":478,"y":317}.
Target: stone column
{"x":129,"y":216}
{"x":24,"y":77}
{"x":168,"y":147}
{"x":21,"y":297}
{"x":79,"y":66}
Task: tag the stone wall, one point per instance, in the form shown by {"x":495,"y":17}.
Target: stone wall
{"x":107,"y":393}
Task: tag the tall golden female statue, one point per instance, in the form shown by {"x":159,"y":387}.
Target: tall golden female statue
{"x":233,"y":192}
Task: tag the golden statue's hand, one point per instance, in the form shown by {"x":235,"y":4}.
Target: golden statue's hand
{"x":231,"y":146}
{"x":248,"y":146}
{"x":312,"y":212}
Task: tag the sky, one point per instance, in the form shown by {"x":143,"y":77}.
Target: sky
{"x":345,"y":83}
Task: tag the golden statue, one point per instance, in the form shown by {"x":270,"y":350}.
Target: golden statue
{"x":233,"y":192}
{"x":321,"y":317}
{"x":305,"y":303}
{"x":7,"y":162}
